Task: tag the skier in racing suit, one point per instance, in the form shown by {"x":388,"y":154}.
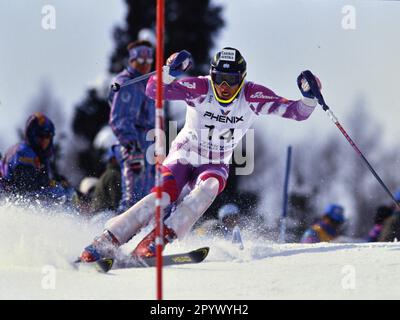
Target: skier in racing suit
{"x":221,"y":107}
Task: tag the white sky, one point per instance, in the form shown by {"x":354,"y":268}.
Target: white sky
{"x":71,"y":57}
{"x":279,"y":38}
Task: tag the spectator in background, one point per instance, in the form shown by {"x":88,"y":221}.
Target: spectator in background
{"x":391,"y":226}
{"x":228,"y":217}
{"x":107,"y":193}
{"x":227,"y":225}
{"x":26,"y":169}
{"x":328,"y":227}
{"x":382,"y":214}
{"x":132,"y":116}
{"x":86,"y":192}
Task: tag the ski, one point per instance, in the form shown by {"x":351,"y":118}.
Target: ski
{"x":106,"y":264}
{"x":102,"y":265}
{"x":194,"y":256}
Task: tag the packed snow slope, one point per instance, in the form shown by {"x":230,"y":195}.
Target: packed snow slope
{"x":37,"y":247}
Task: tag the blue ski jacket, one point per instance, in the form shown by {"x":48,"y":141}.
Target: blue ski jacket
{"x":24,"y":172}
{"x":132,"y":112}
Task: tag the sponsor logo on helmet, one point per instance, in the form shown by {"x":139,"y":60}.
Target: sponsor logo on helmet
{"x":228,"y":55}
{"x":222,"y":118}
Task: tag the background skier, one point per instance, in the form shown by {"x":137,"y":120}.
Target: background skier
{"x":26,"y":168}
{"x":328,"y":227}
{"x":131,"y":117}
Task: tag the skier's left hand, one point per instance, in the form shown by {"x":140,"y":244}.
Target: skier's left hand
{"x":177,"y":64}
{"x":304,"y":86}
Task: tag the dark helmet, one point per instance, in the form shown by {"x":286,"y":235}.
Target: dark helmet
{"x":39,"y":126}
{"x":228,"y":60}
{"x":335,"y":212}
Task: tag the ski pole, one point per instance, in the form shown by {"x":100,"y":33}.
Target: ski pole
{"x":282,"y":235}
{"x":116,"y":86}
{"x":317,"y":93}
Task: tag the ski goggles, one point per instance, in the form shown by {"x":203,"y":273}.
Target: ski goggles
{"x":141,"y":52}
{"x":45,"y":134}
{"x":231,"y":79}
{"x":145,"y":60}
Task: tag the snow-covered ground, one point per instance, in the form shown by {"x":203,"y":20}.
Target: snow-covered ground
{"x":36,"y":248}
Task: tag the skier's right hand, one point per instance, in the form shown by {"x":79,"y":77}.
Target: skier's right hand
{"x":177,"y":64}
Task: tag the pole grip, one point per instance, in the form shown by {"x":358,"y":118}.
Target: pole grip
{"x":315,"y":88}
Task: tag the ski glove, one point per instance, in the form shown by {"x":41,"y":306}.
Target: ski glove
{"x":176,"y":65}
{"x":304,"y":86}
{"x":133,"y":157}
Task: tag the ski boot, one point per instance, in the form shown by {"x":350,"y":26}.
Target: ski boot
{"x":103,"y":246}
{"x":147,"y":247}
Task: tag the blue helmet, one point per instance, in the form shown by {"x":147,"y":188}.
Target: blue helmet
{"x":229,"y":209}
{"x":335,"y":212}
{"x":39,"y":126}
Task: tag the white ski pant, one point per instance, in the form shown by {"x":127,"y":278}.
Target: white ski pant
{"x":188,"y":211}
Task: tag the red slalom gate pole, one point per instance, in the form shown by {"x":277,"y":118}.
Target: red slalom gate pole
{"x":159,"y":145}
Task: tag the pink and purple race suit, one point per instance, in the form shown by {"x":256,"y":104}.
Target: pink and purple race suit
{"x":212,"y":130}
